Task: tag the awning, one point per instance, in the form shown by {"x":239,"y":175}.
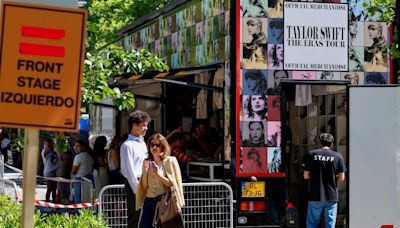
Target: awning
{"x":171,"y":76}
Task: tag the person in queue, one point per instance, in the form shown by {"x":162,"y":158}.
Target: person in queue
{"x":160,"y":171}
{"x":64,"y":170}
{"x":133,"y":153}
{"x":51,"y":163}
{"x":114,"y":159}
{"x":100,"y":163}
{"x":81,"y":167}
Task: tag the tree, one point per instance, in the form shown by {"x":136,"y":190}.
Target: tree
{"x":101,"y":69}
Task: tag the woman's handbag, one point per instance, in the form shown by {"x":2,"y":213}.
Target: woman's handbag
{"x":167,"y":209}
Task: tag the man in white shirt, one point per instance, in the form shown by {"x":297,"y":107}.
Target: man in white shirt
{"x":133,"y":153}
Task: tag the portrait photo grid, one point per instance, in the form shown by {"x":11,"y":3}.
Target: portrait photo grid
{"x":261,"y":64}
{"x":193,"y":35}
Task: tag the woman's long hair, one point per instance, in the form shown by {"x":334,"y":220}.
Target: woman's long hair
{"x":254,"y":151}
{"x":380,"y":41}
{"x":99,"y":145}
{"x":259,"y":77}
{"x":250,"y":111}
{"x":273,"y":56}
{"x":262,"y":138}
{"x":165,"y":148}
{"x":115,"y":142}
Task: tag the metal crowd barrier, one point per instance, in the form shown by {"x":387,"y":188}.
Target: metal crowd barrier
{"x":1,"y":173}
{"x":112,"y":204}
{"x":207,"y":204}
{"x":87,"y":190}
{"x":9,"y":188}
{"x":1,"y":166}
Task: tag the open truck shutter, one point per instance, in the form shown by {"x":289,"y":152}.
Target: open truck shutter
{"x":374,"y":156}
{"x":171,"y":76}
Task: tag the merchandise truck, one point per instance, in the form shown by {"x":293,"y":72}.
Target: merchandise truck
{"x":262,"y":79}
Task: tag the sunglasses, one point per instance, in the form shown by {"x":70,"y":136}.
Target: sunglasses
{"x":155,"y":145}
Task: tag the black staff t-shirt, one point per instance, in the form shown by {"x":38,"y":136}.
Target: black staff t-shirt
{"x":324,"y":165}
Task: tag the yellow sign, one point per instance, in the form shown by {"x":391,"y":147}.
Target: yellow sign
{"x":253,"y":189}
{"x":41,"y":67}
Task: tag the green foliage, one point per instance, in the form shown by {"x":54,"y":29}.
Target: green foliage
{"x":102,"y":68}
{"x":386,"y":7}
{"x":17,"y":143}
{"x":62,"y":144}
{"x":11,"y":215}
{"x":86,"y":218}
{"x":388,"y":10}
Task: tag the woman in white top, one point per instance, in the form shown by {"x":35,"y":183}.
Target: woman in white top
{"x":82,"y":167}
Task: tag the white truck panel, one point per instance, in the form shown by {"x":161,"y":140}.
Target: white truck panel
{"x":374,"y":156}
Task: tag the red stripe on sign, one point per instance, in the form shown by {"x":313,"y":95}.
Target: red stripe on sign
{"x":44,"y":33}
{"x":41,"y":50}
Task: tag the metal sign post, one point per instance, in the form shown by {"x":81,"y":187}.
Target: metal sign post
{"x":31,"y":154}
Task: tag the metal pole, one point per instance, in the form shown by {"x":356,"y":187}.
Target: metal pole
{"x":29,"y":180}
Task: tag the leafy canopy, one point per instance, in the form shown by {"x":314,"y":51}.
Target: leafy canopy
{"x":101,"y":69}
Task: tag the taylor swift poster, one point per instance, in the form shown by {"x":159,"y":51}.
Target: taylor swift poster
{"x":254,"y":160}
{"x":274,"y":159}
{"x":356,"y":78}
{"x":254,"y":133}
{"x":274,"y":133}
{"x":274,"y":108}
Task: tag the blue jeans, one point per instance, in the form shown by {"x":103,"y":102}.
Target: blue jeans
{"x":148,"y":211}
{"x":314,"y":213}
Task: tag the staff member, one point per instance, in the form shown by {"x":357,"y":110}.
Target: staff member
{"x":324,"y":168}
{"x":133,"y":153}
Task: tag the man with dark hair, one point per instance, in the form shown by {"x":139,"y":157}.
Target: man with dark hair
{"x":133,"y":152}
{"x":324,"y":168}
